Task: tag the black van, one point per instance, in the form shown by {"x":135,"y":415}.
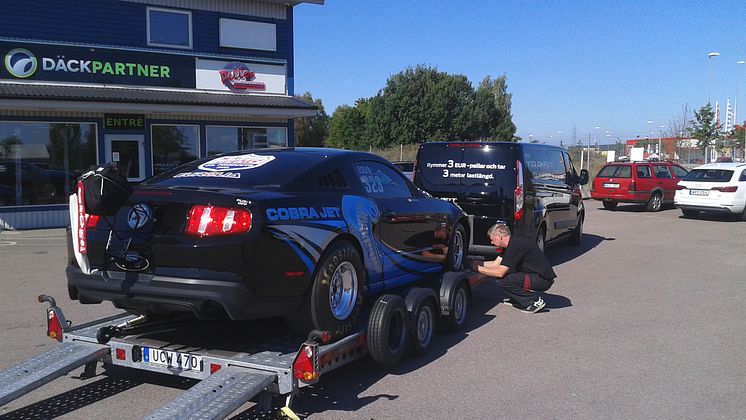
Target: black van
{"x":533,"y":188}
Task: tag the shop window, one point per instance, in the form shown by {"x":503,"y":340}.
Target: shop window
{"x":169,"y":28}
{"x":173,"y":145}
{"x":228,"y":139}
{"x":40,"y":162}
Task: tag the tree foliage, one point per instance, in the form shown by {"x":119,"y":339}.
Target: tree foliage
{"x":312,"y":131}
{"x":422,"y":104}
{"x":704,"y":128}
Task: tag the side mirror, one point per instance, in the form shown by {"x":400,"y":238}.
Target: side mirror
{"x":583,"y":176}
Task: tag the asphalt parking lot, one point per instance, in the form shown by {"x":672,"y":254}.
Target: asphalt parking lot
{"x":646,"y":320}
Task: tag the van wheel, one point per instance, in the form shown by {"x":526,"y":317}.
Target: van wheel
{"x":609,"y":205}
{"x":655,"y":203}
{"x":456,"y":249}
{"x":577,"y":233}
{"x":388,"y":329}
{"x":541,"y":237}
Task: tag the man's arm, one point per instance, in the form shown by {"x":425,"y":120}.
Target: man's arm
{"x":491,"y":268}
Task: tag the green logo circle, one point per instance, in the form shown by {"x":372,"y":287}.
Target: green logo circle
{"x":21,"y":63}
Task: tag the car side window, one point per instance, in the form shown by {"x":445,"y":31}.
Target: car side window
{"x":743,"y":176}
{"x":570,"y":175}
{"x":661,"y":171}
{"x":380,"y":181}
{"x":643,"y":171}
{"x":678,"y":171}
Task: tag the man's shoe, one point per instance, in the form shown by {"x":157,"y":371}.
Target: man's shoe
{"x":509,"y":301}
{"x":535,"y":307}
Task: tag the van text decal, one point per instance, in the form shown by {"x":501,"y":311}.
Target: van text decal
{"x":450,"y":164}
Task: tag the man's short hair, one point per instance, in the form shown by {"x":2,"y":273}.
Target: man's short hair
{"x":498,"y":229}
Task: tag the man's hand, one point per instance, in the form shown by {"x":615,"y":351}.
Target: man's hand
{"x":475,"y":266}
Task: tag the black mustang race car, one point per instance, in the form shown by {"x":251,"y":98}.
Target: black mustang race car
{"x":304,"y":233}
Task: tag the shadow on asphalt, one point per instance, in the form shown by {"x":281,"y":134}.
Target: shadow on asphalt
{"x":633,"y":208}
{"x":562,"y":253}
{"x":715,"y":217}
{"x":111,"y":382}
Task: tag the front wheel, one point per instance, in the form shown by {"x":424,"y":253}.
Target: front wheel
{"x":456,"y":249}
{"x":577,"y":234}
{"x":541,"y":238}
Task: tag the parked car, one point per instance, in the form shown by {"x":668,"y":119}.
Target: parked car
{"x":649,"y":183}
{"x":406,"y":166}
{"x":38,"y":185}
{"x":533,"y":188}
{"x":715,"y":187}
{"x":309,"y":234}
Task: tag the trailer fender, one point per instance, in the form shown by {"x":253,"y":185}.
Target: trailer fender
{"x":448,"y":285}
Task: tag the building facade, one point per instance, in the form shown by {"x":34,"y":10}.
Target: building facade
{"x":143,"y":84}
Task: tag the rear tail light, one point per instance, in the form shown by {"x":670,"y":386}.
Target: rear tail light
{"x":92,"y":221}
{"x":306,"y":363}
{"x":206,"y":220}
{"x":726,"y":189}
{"x":680,"y":187}
{"x":518,"y":194}
{"x":54,"y":325}
{"x":632,"y":186}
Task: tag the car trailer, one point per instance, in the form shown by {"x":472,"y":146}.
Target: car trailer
{"x":278,"y":366}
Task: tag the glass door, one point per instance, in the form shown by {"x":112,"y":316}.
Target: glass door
{"x":127,"y":152}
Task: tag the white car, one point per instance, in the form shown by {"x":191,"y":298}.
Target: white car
{"x":715,"y":187}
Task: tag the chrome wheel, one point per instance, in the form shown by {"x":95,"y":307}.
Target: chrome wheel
{"x":655,"y":202}
{"x":343,"y":290}
{"x":540,"y":239}
{"x":458,"y":248}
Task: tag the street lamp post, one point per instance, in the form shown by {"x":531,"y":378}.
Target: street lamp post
{"x":709,"y":65}
{"x":735,"y":115}
{"x":660,"y":134}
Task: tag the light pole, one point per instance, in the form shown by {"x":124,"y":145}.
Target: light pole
{"x":660,"y":134}
{"x":709,"y":65}
{"x":735,"y":113}
{"x":650,"y":134}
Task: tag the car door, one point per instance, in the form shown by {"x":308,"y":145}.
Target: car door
{"x":644,"y":180}
{"x":665,"y":180}
{"x":409,"y":225}
{"x":576,"y":195}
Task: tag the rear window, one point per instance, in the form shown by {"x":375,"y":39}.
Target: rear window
{"x":615,"y":171}
{"x":260,"y":170}
{"x":474,"y":165}
{"x":709,"y":175}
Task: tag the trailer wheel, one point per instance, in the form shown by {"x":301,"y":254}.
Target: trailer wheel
{"x":424,"y":317}
{"x":388,"y":329}
{"x":456,"y":317}
{"x":336,"y":294}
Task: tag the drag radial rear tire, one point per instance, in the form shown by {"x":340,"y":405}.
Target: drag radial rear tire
{"x":388,"y":330}
{"x":336,"y":295}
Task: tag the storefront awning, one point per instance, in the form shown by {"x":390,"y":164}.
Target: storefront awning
{"x":118,"y":99}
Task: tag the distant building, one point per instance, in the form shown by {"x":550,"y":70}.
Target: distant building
{"x":671,"y":148}
{"x":145,"y":84}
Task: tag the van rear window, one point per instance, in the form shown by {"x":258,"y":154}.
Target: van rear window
{"x":466,"y":166}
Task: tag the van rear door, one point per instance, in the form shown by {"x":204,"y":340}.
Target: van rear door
{"x":479,"y":177}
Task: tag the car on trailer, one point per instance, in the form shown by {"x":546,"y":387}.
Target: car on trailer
{"x":309,"y":234}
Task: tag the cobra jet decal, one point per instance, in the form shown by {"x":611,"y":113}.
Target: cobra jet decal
{"x":361,"y":214}
{"x":312,"y":240}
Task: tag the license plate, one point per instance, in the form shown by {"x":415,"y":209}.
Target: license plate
{"x":610,"y":185}
{"x":173,"y":359}
{"x":699,"y":192}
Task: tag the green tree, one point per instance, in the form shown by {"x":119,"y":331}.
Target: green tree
{"x":312,"y":131}
{"x":704,"y":128}
{"x":347,"y":128}
{"x":492,"y":116}
{"x":421,"y":104}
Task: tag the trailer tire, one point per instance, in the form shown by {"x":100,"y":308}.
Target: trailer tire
{"x":423,"y":321}
{"x":459,"y":305}
{"x":388,"y":330}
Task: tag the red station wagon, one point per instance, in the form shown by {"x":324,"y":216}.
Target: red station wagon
{"x":649,"y":183}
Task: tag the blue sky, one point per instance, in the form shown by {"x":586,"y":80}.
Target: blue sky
{"x":610,"y":64}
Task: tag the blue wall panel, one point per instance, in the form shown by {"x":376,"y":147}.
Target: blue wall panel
{"x":119,"y":23}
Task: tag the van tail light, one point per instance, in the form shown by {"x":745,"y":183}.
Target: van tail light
{"x":632,"y":186}
{"x":206,"y":220}
{"x":726,"y":189}
{"x":680,"y":187}
{"x":519,"y":192}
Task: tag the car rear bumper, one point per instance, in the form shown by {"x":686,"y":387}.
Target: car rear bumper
{"x":145,"y":293}
{"x":628,"y":197}
{"x":715,"y":208}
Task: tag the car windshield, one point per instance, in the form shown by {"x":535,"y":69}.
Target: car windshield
{"x":615,"y":171}
{"x":709,"y":175}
